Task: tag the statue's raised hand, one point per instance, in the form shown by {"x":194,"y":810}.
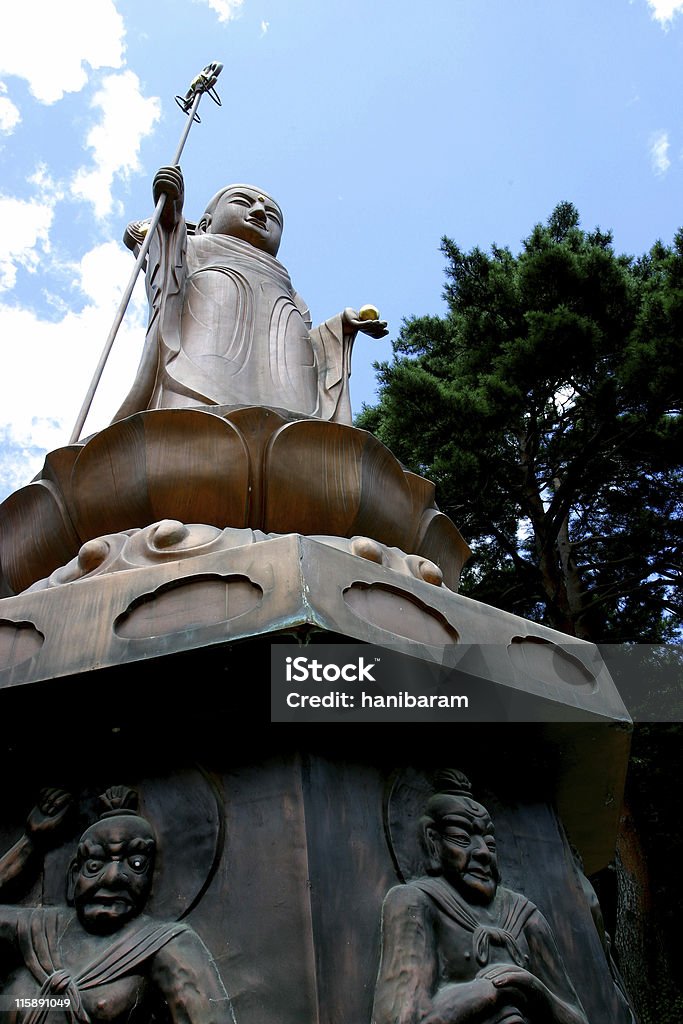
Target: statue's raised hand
{"x":48,"y":815}
{"x":168,"y":182}
{"x":353,"y":322}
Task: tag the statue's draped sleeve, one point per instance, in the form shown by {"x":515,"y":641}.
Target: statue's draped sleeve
{"x":165,"y":281}
{"x":333,"y":354}
{"x":333,"y":350}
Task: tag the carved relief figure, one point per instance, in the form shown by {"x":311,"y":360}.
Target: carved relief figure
{"x":226,"y":325}
{"x":101,"y":958}
{"x":459,"y":947}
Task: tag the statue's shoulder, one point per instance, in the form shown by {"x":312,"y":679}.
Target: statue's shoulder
{"x":182,"y":954}
{"x":408,"y":894}
{"x":517,"y":911}
{"x":169,"y":936}
{"x":514,"y":898}
{"x":134,"y":234}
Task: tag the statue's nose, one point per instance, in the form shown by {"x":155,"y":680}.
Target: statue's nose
{"x":258,"y":209}
{"x":481,"y":849}
{"x":115,"y":873}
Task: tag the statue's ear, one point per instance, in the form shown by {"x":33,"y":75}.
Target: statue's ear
{"x":204,"y":225}
{"x":71,"y":876}
{"x":431,"y":841}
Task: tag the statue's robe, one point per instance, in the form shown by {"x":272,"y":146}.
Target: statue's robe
{"x":227,"y":328}
{"x":434,"y":943}
{"x":165,"y":962}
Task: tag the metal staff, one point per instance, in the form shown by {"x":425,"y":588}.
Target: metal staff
{"x":204,"y":82}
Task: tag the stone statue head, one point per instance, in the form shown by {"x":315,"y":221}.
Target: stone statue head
{"x":459,"y":840}
{"x":110,"y":877}
{"x":245,"y":212}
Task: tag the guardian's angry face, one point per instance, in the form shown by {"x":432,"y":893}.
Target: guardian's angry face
{"x":112,"y":872}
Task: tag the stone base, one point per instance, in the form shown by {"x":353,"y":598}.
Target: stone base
{"x":141,"y":624}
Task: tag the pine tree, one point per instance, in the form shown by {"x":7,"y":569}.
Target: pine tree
{"x":546,"y":407}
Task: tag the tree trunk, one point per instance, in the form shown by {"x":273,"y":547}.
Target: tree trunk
{"x":640,"y":949}
{"x":572,"y":582}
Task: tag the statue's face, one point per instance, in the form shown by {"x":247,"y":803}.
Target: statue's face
{"x":245,"y":212}
{"x":112,"y":874}
{"x":466,"y":847}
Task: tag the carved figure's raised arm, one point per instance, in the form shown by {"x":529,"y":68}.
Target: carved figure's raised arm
{"x":42,"y":827}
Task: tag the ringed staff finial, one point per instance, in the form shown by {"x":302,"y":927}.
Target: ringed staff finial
{"x":204,"y":82}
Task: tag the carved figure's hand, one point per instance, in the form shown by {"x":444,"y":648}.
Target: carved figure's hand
{"x":48,"y":815}
{"x":464,"y":1000}
{"x":352,"y":323}
{"x":168,"y":182}
{"x":511,"y":978}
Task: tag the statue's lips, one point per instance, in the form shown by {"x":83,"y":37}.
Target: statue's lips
{"x":482,"y":874}
{"x":107,"y":899}
{"x":257,"y":221}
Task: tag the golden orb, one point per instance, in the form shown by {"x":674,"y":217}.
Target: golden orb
{"x":368,"y":313}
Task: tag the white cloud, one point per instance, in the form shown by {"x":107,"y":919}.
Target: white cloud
{"x":50,"y":190}
{"x":24,"y":236}
{"x":664,"y":11}
{"x":48,"y":43}
{"x":9,"y":113}
{"x":265,"y":25}
{"x":25,"y":227}
{"x":126,"y":118}
{"x":48,"y":366}
{"x":103,"y":273}
{"x":19,"y":462}
{"x":659,"y":153}
{"x":226,"y":10}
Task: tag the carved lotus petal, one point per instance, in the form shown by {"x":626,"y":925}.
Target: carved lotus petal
{"x":168,"y":464}
{"x":329,"y":478}
{"x":244,"y":468}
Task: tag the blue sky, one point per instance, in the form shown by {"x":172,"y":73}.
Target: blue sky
{"x":379,"y":126}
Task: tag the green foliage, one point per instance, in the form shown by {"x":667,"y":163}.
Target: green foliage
{"x":546,"y":408}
